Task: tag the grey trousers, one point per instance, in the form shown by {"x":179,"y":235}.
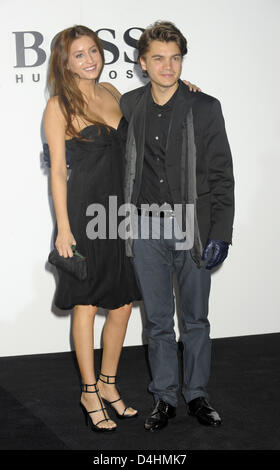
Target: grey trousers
{"x":155,"y":261}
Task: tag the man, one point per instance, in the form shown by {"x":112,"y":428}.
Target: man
{"x":177,"y":156}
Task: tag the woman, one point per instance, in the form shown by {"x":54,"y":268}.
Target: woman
{"x":84,"y":117}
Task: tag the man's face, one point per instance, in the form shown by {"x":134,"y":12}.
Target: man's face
{"x":163,"y":62}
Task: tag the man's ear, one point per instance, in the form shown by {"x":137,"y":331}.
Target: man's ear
{"x":143,"y":64}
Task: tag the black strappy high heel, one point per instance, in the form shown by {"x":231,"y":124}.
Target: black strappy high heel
{"x":94,"y":426}
{"x":107,"y":381}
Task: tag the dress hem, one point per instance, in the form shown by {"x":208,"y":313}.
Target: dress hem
{"x":99,"y":305}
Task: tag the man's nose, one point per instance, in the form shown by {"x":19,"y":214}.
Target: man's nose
{"x":167,"y":63}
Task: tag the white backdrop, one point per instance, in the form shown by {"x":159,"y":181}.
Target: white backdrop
{"x":233,"y":55}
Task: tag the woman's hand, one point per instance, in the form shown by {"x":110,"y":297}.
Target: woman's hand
{"x":64,"y":242}
{"x":191,"y":86}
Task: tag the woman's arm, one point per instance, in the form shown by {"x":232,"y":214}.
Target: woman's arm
{"x":54,"y":126}
{"x":117,"y":94}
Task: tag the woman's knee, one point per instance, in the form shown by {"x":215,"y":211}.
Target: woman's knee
{"x":86,"y":310}
{"x":121,"y":314}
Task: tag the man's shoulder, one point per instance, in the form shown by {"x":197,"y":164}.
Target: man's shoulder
{"x":199,"y":97}
{"x":130,"y":100}
{"x":133,"y":95}
{"x":205,"y":99}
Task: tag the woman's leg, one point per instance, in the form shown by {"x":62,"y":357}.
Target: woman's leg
{"x":83,"y":323}
{"x":113,"y":338}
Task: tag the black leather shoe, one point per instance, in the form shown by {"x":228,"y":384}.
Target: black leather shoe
{"x":158,"y":418}
{"x":203,"y":411}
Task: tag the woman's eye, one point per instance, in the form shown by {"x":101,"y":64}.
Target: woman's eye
{"x":78,"y":56}
{"x":93,"y":50}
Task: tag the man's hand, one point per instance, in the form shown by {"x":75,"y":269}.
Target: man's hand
{"x":216,"y":252}
{"x":191,"y":86}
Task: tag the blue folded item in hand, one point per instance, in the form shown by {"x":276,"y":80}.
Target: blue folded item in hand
{"x":47,"y":159}
{"x":215,"y":253}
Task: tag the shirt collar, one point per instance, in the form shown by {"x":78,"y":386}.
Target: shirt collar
{"x":167,"y":105}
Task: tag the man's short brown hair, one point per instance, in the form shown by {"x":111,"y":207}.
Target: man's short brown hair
{"x":164,"y":31}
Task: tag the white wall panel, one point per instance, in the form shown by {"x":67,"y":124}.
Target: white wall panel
{"x":233,"y":55}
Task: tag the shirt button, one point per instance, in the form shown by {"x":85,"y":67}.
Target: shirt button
{"x":156,"y":137}
{"x":159,"y":115}
{"x":161,"y":181}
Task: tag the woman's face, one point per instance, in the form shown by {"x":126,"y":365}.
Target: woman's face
{"x":84,"y":58}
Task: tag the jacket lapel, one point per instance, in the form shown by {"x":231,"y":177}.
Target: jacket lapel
{"x":180,"y":110}
{"x":139,"y":124}
{"x":139,"y":116}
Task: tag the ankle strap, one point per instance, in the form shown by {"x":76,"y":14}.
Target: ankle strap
{"x":84,"y":388}
{"x":108,"y":377}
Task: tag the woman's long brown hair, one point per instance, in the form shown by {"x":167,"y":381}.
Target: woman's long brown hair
{"x":61,"y":80}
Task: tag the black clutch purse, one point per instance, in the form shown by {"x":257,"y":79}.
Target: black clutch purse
{"x":76,"y":265}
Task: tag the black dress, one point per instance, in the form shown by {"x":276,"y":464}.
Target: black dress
{"x":96,"y":174}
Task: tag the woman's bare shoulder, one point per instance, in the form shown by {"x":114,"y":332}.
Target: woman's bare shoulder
{"x":53,"y":109}
{"x":53,"y":104}
{"x":111,"y":88}
{"x":54,"y":120}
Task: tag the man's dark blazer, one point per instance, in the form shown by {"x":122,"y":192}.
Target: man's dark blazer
{"x":198,"y":158}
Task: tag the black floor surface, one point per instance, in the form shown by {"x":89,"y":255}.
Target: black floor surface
{"x":39,"y":396}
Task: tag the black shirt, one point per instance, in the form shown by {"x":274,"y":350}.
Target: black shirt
{"x":154,"y":186}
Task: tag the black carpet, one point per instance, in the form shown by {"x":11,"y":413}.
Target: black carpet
{"x":39,"y":397}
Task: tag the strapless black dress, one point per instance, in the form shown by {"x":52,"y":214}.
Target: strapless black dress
{"x":96,"y":174}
